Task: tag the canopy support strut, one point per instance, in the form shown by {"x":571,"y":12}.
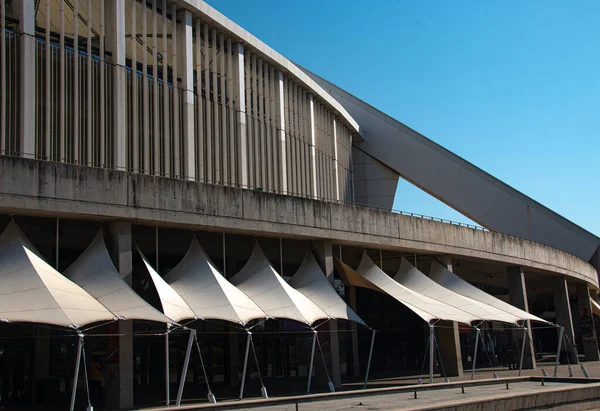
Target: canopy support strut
{"x":522,"y":350}
{"x":312,"y":359}
{"x":167,"y":379}
{"x":186,"y":363}
{"x":369,"y":361}
{"x":76,"y":376}
{"x":431,"y":351}
{"x":560,"y":339}
{"x":245,"y":365}
{"x":477,"y":331}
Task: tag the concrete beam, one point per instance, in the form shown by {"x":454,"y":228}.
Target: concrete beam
{"x":586,"y":323}
{"x":449,"y":338}
{"x":517,"y":294}
{"x":115,"y":43}
{"x":24,"y":10}
{"x":323,"y":253}
{"x":119,"y":391}
{"x":562,"y":306}
{"x":239,"y":102}
{"x":185,"y":55}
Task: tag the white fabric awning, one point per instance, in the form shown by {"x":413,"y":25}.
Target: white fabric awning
{"x":595,"y":307}
{"x":259,"y":281}
{"x":427,"y":308}
{"x":173,"y":305}
{"x":451,"y":281}
{"x":311,"y":281}
{"x":32,"y":291}
{"x":410,"y":277}
{"x":207,"y":292}
{"x":95,"y":273}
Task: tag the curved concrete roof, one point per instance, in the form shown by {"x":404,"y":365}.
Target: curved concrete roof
{"x":458,"y":183}
{"x":201,"y":9}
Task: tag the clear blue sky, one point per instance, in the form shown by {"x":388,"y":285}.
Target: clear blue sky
{"x":511,"y":86}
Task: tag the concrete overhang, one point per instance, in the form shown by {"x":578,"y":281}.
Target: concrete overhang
{"x":34,"y":187}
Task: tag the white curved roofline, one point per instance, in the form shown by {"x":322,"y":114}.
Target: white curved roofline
{"x":246,"y":37}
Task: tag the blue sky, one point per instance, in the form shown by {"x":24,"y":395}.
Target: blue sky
{"x":511,"y":86}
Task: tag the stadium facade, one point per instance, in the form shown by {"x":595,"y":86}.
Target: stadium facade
{"x":157,"y":120}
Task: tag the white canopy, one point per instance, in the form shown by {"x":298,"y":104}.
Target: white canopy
{"x":207,"y":292}
{"x":410,"y":277}
{"x":311,"y":281}
{"x":173,"y":305}
{"x":259,"y":281}
{"x":425,"y":307}
{"x":595,"y":306}
{"x":95,"y":273}
{"x":445,"y":278}
{"x":32,"y":291}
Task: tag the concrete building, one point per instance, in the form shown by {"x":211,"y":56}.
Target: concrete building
{"x":154,"y":120}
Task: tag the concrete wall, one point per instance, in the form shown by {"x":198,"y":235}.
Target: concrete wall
{"x":39,"y":187}
{"x":374,"y":184}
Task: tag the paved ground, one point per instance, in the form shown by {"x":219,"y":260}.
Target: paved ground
{"x":406,"y":401}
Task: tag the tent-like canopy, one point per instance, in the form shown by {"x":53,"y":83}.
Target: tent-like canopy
{"x":32,"y":291}
{"x":311,"y":281}
{"x":410,"y":277}
{"x":173,"y":305}
{"x":451,"y":281}
{"x":207,"y":292}
{"x":595,"y":307}
{"x":95,"y":273}
{"x":427,"y":308}
{"x":259,"y":281}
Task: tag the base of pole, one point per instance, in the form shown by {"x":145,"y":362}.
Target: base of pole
{"x":544,"y":373}
{"x":584,"y":371}
{"x":263,"y":392}
{"x":495,"y":376}
{"x":89,"y":408}
{"x":331,"y":387}
{"x":211,"y":398}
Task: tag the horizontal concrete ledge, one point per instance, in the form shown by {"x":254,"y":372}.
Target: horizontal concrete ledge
{"x":583,"y":390}
{"x":40,"y":187}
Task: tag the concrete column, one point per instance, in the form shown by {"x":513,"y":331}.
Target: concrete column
{"x":119,"y":390}
{"x":239,"y":104}
{"x":313,"y":145}
{"x":24,"y":10}
{"x":185,"y":55}
{"x":115,"y":43}
{"x":517,"y":294}
{"x":586,"y":320}
{"x":449,"y":338}
{"x":562,"y":307}
{"x":336,"y":176}
{"x":324,"y":255}
{"x":280,"y":104}
{"x":351,"y":290}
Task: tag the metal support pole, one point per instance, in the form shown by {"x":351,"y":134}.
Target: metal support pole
{"x":312,"y":359}
{"x":560,"y":338}
{"x":167,"y":379}
{"x":245,"y":364}
{"x":76,"y":376}
{"x":57,"y":242}
{"x":224,"y":258}
{"x":522,"y":350}
{"x":186,"y":363}
{"x":369,"y":360}
{"x":475,"y":353}
{"x":431,"y":351}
